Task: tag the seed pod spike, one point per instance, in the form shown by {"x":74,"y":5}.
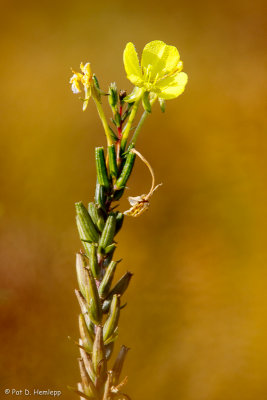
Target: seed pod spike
{"x":92,"y":298}
{"x":88,"y":386}
{"x":86,"y":336}
{"x":98,"y":355}
{"x":113,"y":318}
{"x":117,"y":367}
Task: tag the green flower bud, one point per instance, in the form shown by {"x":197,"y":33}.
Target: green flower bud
{"x":126,"y":171}
{"x":113,"y":95}
{"x":108,"y":233}
{"x":101,"y":169}
{"x":86,"y":227}
{"x":100,"y":197}
{"x":112,"y":162}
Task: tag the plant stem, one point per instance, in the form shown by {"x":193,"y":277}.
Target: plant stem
{"x":140,"y":124}
{"x":103,"y":120}
{"x":126,"y":132}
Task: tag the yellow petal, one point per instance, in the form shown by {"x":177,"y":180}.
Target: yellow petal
{"x":161,"y":58}
{"x":173,"y":86}
{"x":131,"y":64}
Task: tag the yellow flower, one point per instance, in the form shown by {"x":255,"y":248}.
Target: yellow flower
{"x":84,"y":79}
{"x":159,"y":73}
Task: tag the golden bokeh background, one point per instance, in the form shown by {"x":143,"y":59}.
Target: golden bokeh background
{"x":196,"y":320}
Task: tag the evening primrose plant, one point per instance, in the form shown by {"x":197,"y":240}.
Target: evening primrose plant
{"x":159,"y":77}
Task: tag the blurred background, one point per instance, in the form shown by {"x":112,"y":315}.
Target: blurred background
{"x":196,"y":320}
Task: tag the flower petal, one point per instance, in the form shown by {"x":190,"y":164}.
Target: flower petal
{"x":173,"y":86}
{"x":131,"y":64}
{"x":162,"y":58}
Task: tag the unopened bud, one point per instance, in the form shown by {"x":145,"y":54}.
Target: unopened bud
{"x":113,"y":95}
{"x":86,"y":227}
{"x":108,"y":233}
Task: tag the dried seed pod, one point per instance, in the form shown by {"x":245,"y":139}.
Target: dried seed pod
{"x":89,"y":388}
{"x":101,"y":170}
{"x":107,"y":280}
{"x":87,"y":363}
{"x":108,"y":350}
{"x":98,"y":355}
{"x":86,"y":335}
{"x":80,"y":391}
{"x":92,"y":298}
{"x":84,"y":309}
{"x":121,"y":285}
{"x":86,"y":227}
{"x":80,"y":270}
{"x":119,"y":289}
{"x":113,"y":318}
{"x":117,"y":367}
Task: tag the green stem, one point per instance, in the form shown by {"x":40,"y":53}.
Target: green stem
{"x":140,"y":124}
{"x":126,"y":132}
{"x":103,"y":120}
